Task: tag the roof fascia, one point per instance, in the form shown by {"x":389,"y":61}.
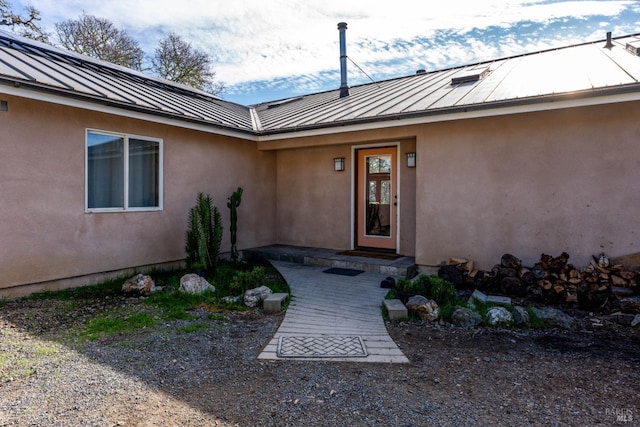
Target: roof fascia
{"x":535,"y":104}
{"x":123,"y":112}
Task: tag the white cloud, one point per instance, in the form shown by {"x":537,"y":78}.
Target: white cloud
{"x":257,"y":40}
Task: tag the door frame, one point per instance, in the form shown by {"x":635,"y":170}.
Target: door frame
{"x":354,"y":182}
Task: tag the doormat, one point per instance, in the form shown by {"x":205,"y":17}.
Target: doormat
{"x":325,"y":346}
{"x":371,"y":254}
{"x":343,"y":271}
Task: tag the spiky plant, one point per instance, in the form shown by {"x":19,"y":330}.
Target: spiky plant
{"x":232,"y":204}
{"x":204,"y":234}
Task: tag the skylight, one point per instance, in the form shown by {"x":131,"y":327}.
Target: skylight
{"x":470,"y":75}
{"x":633,"y":47}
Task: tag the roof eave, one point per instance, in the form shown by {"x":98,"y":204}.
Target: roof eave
{"x":608,"y":95}
{"x":40,"y":92}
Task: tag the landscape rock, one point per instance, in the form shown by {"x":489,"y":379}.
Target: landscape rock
{"x":520,"y":316}
{"x":555,"y":317}
{"x":255,"y":296}
{"x":425,"y":308}
{"x":636,"y":321}
{"x":140,"y":284}
{"x":499,"y":316}
{"x":194,"y":284}
{"x":465,"y":318}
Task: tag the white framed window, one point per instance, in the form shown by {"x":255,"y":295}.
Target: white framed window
{"x":123,"y":172}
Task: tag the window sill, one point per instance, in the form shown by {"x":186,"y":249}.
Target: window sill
{"x":121,"y":210}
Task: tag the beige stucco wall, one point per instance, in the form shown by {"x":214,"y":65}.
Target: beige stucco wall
{"x":44,"y":230}
{"x":314,"y":202}
{"x":565,"y":180}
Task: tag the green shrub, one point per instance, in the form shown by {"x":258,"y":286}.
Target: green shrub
{"x":447,"y":310}
{"x":245,"y":280}
{"x":416,"y":285}
{"x":432,"y":287}
{"x":441,"y":291}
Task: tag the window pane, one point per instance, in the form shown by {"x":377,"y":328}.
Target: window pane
{"x":385,"y":164}
{"x":144,"y":162}
{"x":373,"y":191}
{"x":105,"y":171}
{"x":373,"y":165}
{"x":385,"y":192}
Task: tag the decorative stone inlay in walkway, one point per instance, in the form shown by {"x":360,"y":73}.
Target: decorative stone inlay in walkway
{"x":327,"y":308}
{"x":326,"y":346}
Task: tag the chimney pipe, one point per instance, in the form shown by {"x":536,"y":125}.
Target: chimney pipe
{"x":344,"y":87}
{"x":609,"y":44}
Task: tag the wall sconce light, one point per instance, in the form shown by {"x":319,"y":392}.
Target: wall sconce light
{"x":411,"y":160}
{"x":338,"y":164}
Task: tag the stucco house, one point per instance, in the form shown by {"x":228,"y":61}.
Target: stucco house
{"x":534,"y":153}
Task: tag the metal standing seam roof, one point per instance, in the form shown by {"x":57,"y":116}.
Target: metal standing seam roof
{"x":584,"y":70}
{"x":30,"y":64}
{"x":580,"y":70}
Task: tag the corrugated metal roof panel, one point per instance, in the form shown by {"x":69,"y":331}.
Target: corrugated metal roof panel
{"x":582,"y":69}
{"x":44,"y":67}
{"x":575,"y":69}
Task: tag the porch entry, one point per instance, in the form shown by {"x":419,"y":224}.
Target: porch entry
{"x":376,"y":198}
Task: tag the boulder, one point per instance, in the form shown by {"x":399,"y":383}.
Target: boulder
{"x":465,"y":318}
{"x":253,"y":297}
{"x":427,"y":309}
{"x":555,"y":317}
{"x":499,"y":316}
{"x":194,"y":284}
{"x":140,"y":285}
{"x":520,"y":316}
{"x":476,"y":296}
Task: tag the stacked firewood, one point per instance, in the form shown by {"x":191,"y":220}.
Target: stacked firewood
{"x":551,"y":280}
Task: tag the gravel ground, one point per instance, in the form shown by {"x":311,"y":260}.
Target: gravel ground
{"x":166,"y":376}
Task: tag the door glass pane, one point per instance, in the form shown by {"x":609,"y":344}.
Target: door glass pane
{"x":373,"y":191}
{"x":378,"y":179}
{"x":105,"y":171}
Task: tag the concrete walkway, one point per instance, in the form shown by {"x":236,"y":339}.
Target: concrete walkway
{"x":332,"y":317}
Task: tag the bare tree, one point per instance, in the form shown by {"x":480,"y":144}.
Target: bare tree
{"x":25,"y":26}
{"x":176,"y":60}
{"x":99,"y":38}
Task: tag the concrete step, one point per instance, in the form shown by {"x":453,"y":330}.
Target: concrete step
{"x":403,"y":266}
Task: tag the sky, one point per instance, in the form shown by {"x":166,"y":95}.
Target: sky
{"x":268,"y":50}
